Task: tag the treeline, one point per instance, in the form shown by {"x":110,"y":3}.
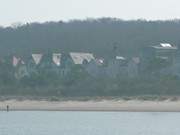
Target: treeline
{"x":92,"y":35}
{"x":79,"y":83}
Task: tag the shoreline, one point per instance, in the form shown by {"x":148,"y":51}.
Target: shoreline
{"x":103,"y":105}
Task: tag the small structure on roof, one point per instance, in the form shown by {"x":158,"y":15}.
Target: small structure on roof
{"x":165,"y":46}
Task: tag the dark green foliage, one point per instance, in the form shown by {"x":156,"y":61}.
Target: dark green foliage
{"x":96,"y":36}
{"x":155,"y":65}
{"x":79,"y":83}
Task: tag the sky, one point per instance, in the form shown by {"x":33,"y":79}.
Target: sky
{"x":16,"y":11}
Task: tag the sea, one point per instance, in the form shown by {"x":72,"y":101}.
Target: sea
{"x":89,"y":123}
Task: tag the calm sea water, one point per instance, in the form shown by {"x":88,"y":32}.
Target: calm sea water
{"x":89,"y":123}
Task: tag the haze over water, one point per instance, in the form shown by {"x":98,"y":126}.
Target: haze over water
{"x":89,"y":123}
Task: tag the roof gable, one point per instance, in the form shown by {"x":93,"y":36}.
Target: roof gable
{"x":37,"y":58}
{"x":56,"y":57}
{"x":16,"y":61}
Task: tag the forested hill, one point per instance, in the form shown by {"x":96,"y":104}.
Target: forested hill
{"x":92,"y":35}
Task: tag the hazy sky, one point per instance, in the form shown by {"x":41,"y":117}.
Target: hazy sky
{"x":12,"y":11}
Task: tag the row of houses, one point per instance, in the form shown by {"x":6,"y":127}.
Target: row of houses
{"x":51,"y":62}
{"x":116,"y":66}
{"x":62,"y":64}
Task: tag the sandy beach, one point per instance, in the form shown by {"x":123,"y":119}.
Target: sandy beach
{"x":104,"y":105}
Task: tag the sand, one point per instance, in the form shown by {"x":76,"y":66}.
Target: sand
{"x":104,"y":105}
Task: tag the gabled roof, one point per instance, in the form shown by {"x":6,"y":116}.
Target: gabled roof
{"x":165,"y":46}
{"x":37,"y":58}
{"x":17,"y":61}
{"x":78,"y":58}
{"x":56,"y":57}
